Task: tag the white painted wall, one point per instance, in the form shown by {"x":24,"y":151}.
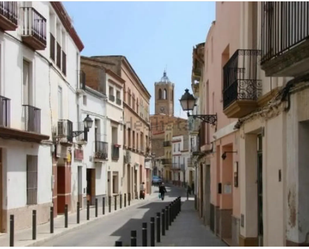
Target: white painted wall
{"x":114,"y":113}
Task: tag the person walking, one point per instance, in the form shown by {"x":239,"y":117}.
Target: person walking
{"x":142,"y":191}
{"x":162,"y":190}
{"x":192,"y":187}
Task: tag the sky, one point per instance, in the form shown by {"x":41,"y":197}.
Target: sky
{"x":153,"y":36}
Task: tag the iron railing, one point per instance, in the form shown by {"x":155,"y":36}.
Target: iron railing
{"x":32,"y":117}
{"x":5,"y":111}
{"x":115,"y":152}
{"x":34,"y":24}
{"x":167,"y":143}
{"x":65,"y":129}
{"x":9,"y":10}
{"x":284,"y":25}
{"x":166,"y":161}
{"x":240,"y":81}
{"x":100,"y":150}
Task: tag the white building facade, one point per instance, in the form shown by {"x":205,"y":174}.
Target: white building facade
{"x":180,"y":156}
{"x":114,"y":132}
{"x":31,"y":71}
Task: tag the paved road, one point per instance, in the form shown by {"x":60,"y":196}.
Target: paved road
{"x":106,"y":231}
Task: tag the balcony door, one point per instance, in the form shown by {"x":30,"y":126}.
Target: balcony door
{"x":27,"y":89}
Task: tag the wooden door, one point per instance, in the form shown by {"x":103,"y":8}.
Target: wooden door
{"x":92,"y":186}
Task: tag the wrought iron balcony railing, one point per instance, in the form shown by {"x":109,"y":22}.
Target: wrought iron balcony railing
{"x":5,"y":110}
{"x":8,"y":11}
{"x":167,"y":143}
{"x":34,"y":28}
{"x":100,"y":150}
{"x":65,"y":129}
{"x":240,"y":77}
{"x":32,"y":118}
{"x":284,"y":25}
{"x":166,"y":161}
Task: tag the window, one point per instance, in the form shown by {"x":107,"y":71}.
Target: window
{"x":52,"y":47}
{"x":84,"y":99}
{"x":32,"y":180}
{"x":129,"y":97}
{"x":133,"y":101}
{"x":118,"y":98}
{"x":111,"y":94}
{"x":179,"y":147}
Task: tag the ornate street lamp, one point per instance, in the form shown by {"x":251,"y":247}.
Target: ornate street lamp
{"x":87,"y":125}
{"x":187,"y":103}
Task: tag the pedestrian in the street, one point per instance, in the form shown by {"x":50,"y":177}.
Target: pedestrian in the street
{"x":142,"y":191}
{"x":162,"y":190}
{"x":192,"y":187}
{"x":189,"y":190}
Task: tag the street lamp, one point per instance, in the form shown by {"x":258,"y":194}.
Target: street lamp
{"x":87,"y":125}
{"x":187,"y":103}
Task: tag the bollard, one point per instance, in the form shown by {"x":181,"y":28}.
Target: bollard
{"x":144,"y":234}
{"x":34,"y":224}
{"x":103,"y":205}
{"x":125,"y":200}
{"x":133,"y":238}
{"x":96,"y":207}
{"x":170,"y":214}
{"x":88,"y":210}
{"x":163,"y":222}
{"x":66,"y":215}
{"x":152,"y":231}
{"x":118,"y":243}
{"x":166,"y":219}
{"x":51,"y":218}
{"x":115,"y":202}
{"x":179,"y":204}
{"x":120,"y":201}
{"x":129,"y":199}
{"x":109,"y":204}
{"x":172,"y":211}
{"x":187,"y":195}
{"x":158,"y":227}
{"x":11,"y":230}
{"x":77,"y":213}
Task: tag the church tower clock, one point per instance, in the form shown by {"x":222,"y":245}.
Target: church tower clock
{"x":164,"y":96}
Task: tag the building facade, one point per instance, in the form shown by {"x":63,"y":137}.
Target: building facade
{"x":257,"y":160}
{"x":136,"y":124}
{"x":41,"y":67}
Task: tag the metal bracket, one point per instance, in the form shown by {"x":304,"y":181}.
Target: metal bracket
{"x":77,"y":133}
{"x":210,"y":119}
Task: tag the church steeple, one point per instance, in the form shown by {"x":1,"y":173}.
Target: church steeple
{"x":164,"y":96}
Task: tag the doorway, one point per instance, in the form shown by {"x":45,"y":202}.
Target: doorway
{"x":135,"y":184}
{"x":80,"y":185}
{"x":91,"y":186}
{"x":260,"y":189}
{"x":201,"y":192}
{"x":128,"y":179}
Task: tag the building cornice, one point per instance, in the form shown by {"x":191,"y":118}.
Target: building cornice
{"x":67,"y":23}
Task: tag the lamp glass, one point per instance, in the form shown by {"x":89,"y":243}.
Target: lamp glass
{"x":187,"y":101}
{"x":88,"y":122}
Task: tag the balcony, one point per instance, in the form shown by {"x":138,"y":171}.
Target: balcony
{"x":285,"y":43}
{"x":167,"y":144}
{"x":5,"y":111}
{"x":115,"y":152}
{"x":65,"y":131}
{"x":118,"y":101}
{"x":166,"y":161}
{"x":8,"y":16}
{"x":31,"y":120}
{"x":175,"y":166}
{"x":241,"y":88}
{"x":100,"y":150}
{"x":34,"y":29}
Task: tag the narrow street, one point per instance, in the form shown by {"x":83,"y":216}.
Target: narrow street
{"x":105,"y":231}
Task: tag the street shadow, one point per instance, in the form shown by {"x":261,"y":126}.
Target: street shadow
{"x":124,"y":233}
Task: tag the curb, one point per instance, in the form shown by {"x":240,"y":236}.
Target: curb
{"x":67,"y":230}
